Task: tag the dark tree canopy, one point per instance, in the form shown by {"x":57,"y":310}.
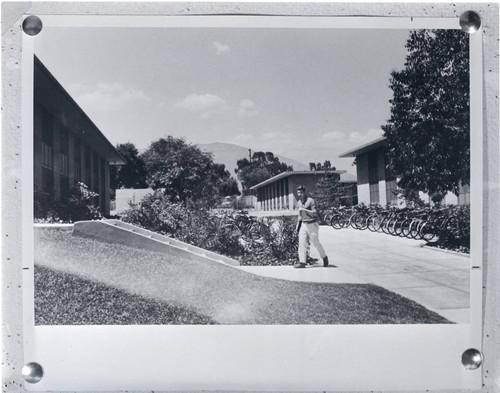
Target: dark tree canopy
{"x":428,"y":131}
{"x":261,"y":167}
{"x":133,"y":173}
{"x":330,"y":192}
{"x":327,"y":165}
{"x":185,"y":173}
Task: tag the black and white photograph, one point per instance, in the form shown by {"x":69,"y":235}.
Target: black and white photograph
{"x":249,"y":196}
{"x":251,"y":176}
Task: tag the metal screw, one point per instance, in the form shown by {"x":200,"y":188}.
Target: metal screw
{"x":470,"y":21}
{"x":472,"y":359}
{"x":32,"y":25}
{"x":32,"y":372}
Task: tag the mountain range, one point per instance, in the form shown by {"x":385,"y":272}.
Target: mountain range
{"x":228,"y":154}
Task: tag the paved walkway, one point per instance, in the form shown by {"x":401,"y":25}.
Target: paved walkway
{"x":437,"y":279}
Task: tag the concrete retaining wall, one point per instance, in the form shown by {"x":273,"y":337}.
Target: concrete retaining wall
{"x":118,"y":232}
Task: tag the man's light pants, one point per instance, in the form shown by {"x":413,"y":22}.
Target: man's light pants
{"x":309,"y":231}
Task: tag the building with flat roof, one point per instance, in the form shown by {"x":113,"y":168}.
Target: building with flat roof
{"x":278,"y":192}
{"x":67,"y":145}
{"x":375,"y":182}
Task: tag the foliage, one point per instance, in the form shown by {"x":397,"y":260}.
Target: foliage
{"x":184,"y":173}
{"x":233,"y":233}
{"x":428,"y":131}
{"x":133,"y":173}
{"x":327,"y":165}
{"x":44,"y":202}
{"x":330,"y":192}
{"x":260,"y":167}
{"x":80,"y":204}
{"x":454,"y":233}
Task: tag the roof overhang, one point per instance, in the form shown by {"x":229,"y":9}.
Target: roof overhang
{"x":294,"y":173}
{"x":373,"y":145}
{"x":50,"y":94}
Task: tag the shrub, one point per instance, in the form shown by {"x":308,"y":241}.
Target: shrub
{"x":79,"y":205}
{"x":233,"y":233}
{"x":454,"y":231}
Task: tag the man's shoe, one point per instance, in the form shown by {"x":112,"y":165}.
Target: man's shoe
{"x":325,"y":261}
{"x":299,"y":265}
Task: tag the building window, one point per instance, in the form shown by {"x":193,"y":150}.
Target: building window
{"x":88,"y":156}
{"x":103,"y":184}
{"x":373,"y":176}
{"x":48,"y":180}
{"x":95,"y":173}
{"x":374,"y":193}
{"x":64,"y":186}
{"x":78,"y":159}
{"x":47,"y":160}
{"x":47,"y":140}
{"x":63,"y":152}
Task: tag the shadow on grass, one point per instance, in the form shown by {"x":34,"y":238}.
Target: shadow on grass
{"x":64,"y":299}
{"x":99,"y":278}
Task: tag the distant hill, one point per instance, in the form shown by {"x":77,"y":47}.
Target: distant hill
{"x":228,"y":154}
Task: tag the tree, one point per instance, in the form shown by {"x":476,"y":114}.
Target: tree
{"x":133,"y":173}
{"x":226,"y":185}
{"x":326,"y":166}
{"x":262,"y":166}
{"x":184,"y":173}
{"x":330,"y":192}
{"x":428,"y":131}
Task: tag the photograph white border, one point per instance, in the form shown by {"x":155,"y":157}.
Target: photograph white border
{"x":292,"y":358}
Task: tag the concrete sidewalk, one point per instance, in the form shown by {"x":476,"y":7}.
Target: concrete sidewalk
{"x":437,"y":279}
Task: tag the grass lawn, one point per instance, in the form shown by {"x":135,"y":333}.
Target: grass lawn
{"x":83,"y":281}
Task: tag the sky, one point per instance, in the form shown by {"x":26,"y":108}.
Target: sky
{"x":307,"y":94}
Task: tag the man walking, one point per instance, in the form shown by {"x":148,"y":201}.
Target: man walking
{"x":308,"y":228}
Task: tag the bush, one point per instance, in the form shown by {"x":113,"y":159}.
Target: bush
{"x":454,"y":232}
{"x":252,"y":241}
{"x":78,"y":205}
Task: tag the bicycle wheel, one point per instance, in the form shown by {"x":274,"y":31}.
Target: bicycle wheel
{"x":358,"y":221}
{"x":374,"y":222}
{"x":391,"y":226}
{"x":405,"y":227}
{"x":413,"y":231}
{"x":327,"y":218}
{"x":383,"y":225}
{"x":398,"y":227}
{"x":427,"y":232}
{"x":335,"y":221}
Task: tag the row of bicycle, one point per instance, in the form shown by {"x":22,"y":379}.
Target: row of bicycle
{"x":421,"y":224}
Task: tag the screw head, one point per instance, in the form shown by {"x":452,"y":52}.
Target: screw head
{"x":472,"y":359}
{"x":470,"y":21}
{"x":32,"y":25}
{"x":32,"y":372}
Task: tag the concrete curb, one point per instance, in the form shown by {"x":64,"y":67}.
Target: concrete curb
{"x":54,"y":226}
{"x":461,"y":254}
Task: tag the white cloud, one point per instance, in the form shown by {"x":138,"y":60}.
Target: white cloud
{"x":360,"y":138}
{"x":205,"y":104}
{"x":221,"y":48}
{"x":244,"y":138}
{"x":247,"y":108}
{"x":105,"y":97}
{"x":278,"y":135}
{"x":334,"y":136}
